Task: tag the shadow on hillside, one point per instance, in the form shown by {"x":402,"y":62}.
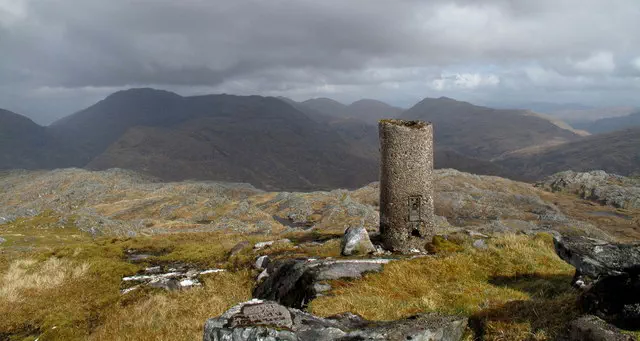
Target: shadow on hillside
{"x":313,"y":237}
{"x":552,"y":305}
{"x":537,"y":286}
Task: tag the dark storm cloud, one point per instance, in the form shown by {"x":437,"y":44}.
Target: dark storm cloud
{"x":396,"y":50}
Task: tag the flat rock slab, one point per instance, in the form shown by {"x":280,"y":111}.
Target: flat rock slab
{"x":295,"y":282}
{"x":597,"y":258}
{"x":265,"y":320}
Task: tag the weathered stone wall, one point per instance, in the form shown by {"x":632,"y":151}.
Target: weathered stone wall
{"x":406,"y":184}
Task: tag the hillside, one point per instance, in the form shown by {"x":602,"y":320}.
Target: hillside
{"x":102,"y":234}
{"x":24,"y":144}
{"x":253,"y":139}
{"x":617,"y":152}
{"x":609,"y":124}
{"x":482,"y":132}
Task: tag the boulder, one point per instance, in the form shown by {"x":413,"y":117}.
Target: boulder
{"x":295,"y":282}
{"x":609,"y":274}
{"x":597,"y":258}
{"x":356,"y":242}
{"x":265,"y":320}
{"x":592,"y":328}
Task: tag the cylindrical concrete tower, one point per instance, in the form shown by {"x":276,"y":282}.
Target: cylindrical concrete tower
{"x":406,"y":184}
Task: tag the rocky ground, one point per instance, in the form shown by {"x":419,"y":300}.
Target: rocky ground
{"x":134,"y":245}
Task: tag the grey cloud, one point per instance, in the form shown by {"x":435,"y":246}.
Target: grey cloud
{"x":393,"y":50}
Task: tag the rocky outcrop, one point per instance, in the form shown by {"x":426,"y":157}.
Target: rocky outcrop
{"x":264,"y":320}
{"x":356,"y":242}
{"x":609,"y":189}
{"x":609,"y":274}
{"x":591,"y":328}
{"x":295,"y":282}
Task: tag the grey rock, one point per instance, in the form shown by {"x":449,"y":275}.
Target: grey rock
{"x":171,"y":279}
{"x":264,"y":320}
{"x":608,"y":189}
{"x":2,"y":240}
{"x":609,"y":274}
{"x":262,"y":262}
{"x":597,"y":258}
{"x":592,"y":328}
{"x":480,"y":244}
{"x":292,"y":282}
{"x":356,"y":242}
{"x":264,"y":274}
{"x":262,"y":245}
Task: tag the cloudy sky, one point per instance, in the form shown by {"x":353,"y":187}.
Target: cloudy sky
{"x":59,"y":56}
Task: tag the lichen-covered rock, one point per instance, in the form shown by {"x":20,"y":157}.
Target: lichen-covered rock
{"x":592,"y":328}
{"x":598,"y":258}
{"x":268,"y":321}
{"x":294,"y":282}
{"x":609,"y":189}
{"x":356,"y":242}
{"x":610,"y":275}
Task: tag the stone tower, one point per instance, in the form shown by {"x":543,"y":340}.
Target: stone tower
{"x":406,"y":184}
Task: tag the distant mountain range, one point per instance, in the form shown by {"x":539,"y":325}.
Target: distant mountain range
{"x":277,"y":143}
{"x":482,"y":132}
{"x":616,"y":152}
{"x":609,"y":124}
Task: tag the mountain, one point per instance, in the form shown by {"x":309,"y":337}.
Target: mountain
{"x":617,"y":152}
{"x":92,"y":130}
{"x":576,"y":116}
{"x":605,"y":125}
{"x":326,"y":106}
{"x":371,"y":111}
{"x":482,"y":132}
{"x":260,"y":140}
{"x":27,"y":145}
{"x":328,"y":110}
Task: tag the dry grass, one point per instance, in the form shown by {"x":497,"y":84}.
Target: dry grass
{"x":28,"y":274}
{"x":67,"y":287}
{"x":177,"y":315}
{"x":59,"y":284}
{"x":517,"y":289}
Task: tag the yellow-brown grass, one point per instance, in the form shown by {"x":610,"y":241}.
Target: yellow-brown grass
{"x":177,"y":315}
{"x":517,"y":289}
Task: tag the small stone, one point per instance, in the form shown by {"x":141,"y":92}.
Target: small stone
{"x":165,"y":283}
{"x":238,"y":247}
{"x":264,"y":274}
{"x":2,"y":240}
{"x":592,"y":328}
{"x":262,"y":262}
{"x":187,"y":283}
{"x":480,"y":244}
{"x":152,"y":270}
{"x":262,"y":245}
{"x":356,"y":242}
